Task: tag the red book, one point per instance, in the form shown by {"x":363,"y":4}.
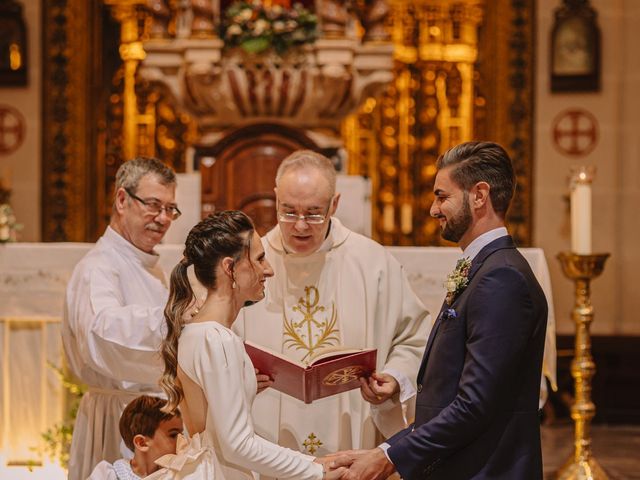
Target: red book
{"x":332,"y":372}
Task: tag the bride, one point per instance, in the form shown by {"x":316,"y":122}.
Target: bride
{"x":207,"y":372}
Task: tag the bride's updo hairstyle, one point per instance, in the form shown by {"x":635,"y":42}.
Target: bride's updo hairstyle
{"x":224,"y":234}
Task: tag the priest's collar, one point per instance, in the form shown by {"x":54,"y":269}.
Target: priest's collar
{"x":123,"y":245}
{"x":336,"y":236}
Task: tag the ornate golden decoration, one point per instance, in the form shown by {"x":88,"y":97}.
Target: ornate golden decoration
{"x":343,"y":375}
{"x":504,"y":99}
{"x":449,"y":86}
{"x":440,"y":95}
{"x":582,"y":269}
{"x":326,"y":332}
{"x":312,"y":443}
{"x":68,"y":65}
{"x":132,"y":53}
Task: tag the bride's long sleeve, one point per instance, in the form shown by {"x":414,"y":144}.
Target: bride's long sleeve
{"x":221,"y":370}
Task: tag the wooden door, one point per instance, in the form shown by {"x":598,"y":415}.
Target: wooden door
{"x":239,"y":171}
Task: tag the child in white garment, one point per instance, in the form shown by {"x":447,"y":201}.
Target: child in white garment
{"x":146,"y":431}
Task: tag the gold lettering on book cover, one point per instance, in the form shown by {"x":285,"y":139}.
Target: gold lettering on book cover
{"x":311,"y":332}
{"x":343,"y":375}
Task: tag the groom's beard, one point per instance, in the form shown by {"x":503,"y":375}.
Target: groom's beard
{"x":457,"y":225}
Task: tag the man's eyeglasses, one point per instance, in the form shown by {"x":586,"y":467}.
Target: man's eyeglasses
{"x":314,"y":219}
{"x":294,"y":217}
{"x":154,"y":207}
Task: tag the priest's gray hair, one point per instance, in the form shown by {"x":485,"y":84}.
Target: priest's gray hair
{"x":129,"y":174}
{"x":308,"y":158}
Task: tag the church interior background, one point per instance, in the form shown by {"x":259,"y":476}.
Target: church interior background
{"x":384,"y":89}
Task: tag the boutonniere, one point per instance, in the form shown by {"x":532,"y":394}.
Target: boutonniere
{"x":449,"y":314}
{"x":458,"y":279}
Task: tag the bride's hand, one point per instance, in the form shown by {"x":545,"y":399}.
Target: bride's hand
{"x":335,"y":474}
{"x":264,"y":381}
{"x":334,"y":465}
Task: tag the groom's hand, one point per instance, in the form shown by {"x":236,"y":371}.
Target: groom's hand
{"x":369,"y":465}
{"x":264,"y":381}
{"x":334,"y":466}
{"x":378,"y":388}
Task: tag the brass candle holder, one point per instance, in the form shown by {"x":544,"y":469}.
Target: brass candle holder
{"x":582,"y":269}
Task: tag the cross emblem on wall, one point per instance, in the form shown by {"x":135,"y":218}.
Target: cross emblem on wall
{"x":575,"y":132}
{"x":12,"y":126}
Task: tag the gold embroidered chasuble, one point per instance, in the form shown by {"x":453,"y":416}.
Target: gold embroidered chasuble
{"x":350,"y":293}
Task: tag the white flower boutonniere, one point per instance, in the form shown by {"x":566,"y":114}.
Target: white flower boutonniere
{"x":458,"y":279}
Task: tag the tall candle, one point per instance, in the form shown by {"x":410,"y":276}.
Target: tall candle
{"x":388,"y":218}
{"x":581,"y":210}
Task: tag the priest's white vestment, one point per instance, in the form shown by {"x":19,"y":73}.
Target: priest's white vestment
{"x":351,"y":292}
{"x":111,"y":331}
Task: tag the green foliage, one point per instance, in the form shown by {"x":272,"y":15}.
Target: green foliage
{"x":57,"y":439}
{"x":256,"y":29}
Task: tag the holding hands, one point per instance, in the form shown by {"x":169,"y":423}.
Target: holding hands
{"x":357,"y":465}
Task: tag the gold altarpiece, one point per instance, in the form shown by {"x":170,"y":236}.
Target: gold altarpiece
{"x":462,"y":70}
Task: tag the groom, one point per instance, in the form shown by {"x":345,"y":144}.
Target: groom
{"x":478,"y":384}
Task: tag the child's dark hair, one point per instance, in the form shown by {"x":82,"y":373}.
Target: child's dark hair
{"x":142,"y":416}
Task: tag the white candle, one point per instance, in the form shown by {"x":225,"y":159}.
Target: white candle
{"x":406,"y":218}
{"x":581,"y":211}
{"x":388,"y":218}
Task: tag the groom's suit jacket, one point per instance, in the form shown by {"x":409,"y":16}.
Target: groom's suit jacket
{"x":478,"y":385}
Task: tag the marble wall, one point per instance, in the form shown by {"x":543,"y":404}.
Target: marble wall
{"x":616,"y":188}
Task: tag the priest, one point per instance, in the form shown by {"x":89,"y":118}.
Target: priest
{"x":113,"y":316}
{"x":333,"y":288}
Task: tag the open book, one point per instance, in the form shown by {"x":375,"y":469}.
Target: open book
{"x":333,"y":371}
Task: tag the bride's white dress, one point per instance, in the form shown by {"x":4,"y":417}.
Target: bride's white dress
{"x":214,"y":358}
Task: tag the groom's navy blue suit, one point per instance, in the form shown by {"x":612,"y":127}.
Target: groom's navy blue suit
{"x":479,"y":382}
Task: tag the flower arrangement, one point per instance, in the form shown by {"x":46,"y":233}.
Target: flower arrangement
{"x":457,"y":280}
{"x":8,"y":224}
{"x":256,"y":29}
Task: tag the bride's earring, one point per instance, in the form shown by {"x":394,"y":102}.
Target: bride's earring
{"x":234,"y":285}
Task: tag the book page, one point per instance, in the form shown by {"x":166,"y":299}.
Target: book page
{"x":331,"y":353}
{"x":279,"y":355}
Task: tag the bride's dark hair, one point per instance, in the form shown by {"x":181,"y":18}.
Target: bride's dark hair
{"x":224,"y":234}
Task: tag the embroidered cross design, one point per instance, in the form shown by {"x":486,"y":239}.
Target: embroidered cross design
{"x":301,"y":335}
{"x":312,"y":443}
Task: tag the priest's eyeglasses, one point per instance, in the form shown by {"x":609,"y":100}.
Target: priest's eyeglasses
{"x":313,"y":219}
{"x":155,"y":207}
{"x":294,"y":217}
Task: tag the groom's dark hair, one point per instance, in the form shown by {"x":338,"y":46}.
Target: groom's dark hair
{"x":482,"y":162}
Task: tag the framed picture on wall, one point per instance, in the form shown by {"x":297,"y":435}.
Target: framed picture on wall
{"x":575,"y":48}
{"x":13,"y":45}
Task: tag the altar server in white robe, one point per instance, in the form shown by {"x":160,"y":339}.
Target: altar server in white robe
{"x":112,"y":327}
{"x":333,"y":287}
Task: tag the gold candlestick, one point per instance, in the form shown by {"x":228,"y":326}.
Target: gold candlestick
{"x":582,"y":269}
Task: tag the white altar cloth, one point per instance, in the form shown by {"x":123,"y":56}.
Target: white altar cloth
{"x":33,"y":278}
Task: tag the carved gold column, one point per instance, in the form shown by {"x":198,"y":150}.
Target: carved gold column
{"x":582,"y":269}
{"x":131,"y":52}
{"x":428,"y":108}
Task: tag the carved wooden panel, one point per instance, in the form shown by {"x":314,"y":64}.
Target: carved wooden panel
{"x":71,"y":30}
{"x":239,"y":171}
